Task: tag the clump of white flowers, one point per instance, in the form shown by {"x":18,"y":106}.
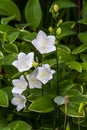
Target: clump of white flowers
{"x":40,"y":75}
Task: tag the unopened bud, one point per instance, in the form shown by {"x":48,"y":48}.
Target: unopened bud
{"x":80,"y":107}
{"x":34,"y":64}
{"x":58,"y":31}
{"x":55,"y":8}
{"x":50,"y":29}
{"x":60,"y":22}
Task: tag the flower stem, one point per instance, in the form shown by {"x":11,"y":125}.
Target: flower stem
{"x":58,"y":109}
{"x":57,"y":72}
{"x":42,"y":90}
{"x":78,"y":123}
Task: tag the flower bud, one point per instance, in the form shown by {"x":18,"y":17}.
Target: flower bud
{"x":35,"y":64}
{"x":80,"y":108}
{"x":50,"y":29}
{"x":59,"y":22}
{"x":58,"y":31}
{"x":55,"y":8}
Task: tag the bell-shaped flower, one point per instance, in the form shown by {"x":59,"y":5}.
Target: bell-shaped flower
{"x":24,"y":61}
{"x":33,"y":81}
{"x":20,"y":85}
{"x":44,"y":73}
{"x":19,"y":101}
{"x":43,"y":43}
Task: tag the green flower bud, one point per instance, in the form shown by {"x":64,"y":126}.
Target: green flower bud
{"x":50,"y":29}
{"x":58,"y":31}
{"x":35,"y":64}
{"x":56,"y":8}
{"x":60,"y":22}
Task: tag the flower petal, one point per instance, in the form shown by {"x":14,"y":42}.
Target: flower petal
{"x":19,"y":101}
{"x":24,"y":61}
{"x":41,"y":34}
{"x":20,"y":85}
{"x":44,"y":73}
{"x":51,"y":40}
{"x":33,"y":81}
{"x":43,"y":43}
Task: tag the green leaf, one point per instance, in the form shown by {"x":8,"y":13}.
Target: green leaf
{"x":65,"y":48}
{"x":83,"y":57}
{"x":3,"y":122}
{"x":64,"y":4}
{"x":75,"y":99}
{"x":5,"y":28}
{"x":8,"y":90}
{"x":51,"y":62}
{"x":80,"y":49}
{"x":19,"y":125}
{"x":8,"y":59}
{"x":64,"y":56}
{"x":83,"y":21}
{"x":10,"y":71}
{"x":84,"y":66}
{"x":13,"y":36}
{"x":72,"y":110}
{"x":42,"y":105}
{"x":33,"y":13}
{"x":7,"y":19}
{"x":74,"y":65}
{"x":9,"y":8}
{"x":3,"y":98}
{"x":1,"y":55}
{"x":84,"y":8}
{"x":29,"y":37}
{"x":83,"y":37}
{"x":21,"y":27}
{"x":11,"y":48}
{"x":5,"y":129}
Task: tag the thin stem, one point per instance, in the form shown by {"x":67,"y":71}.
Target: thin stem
{"x":65,"y":121}
{"x":78,"y":123}
{"x":57,"y":71}
{"x":0,"y":73}
{"x":42,"y":90}
{"x":58,"y":109}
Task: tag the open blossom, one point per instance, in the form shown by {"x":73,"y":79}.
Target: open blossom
{"x":44,"y":73}
{"x":19,"y":101}
{"x":20,"y":85}
{"x":43,"y":43}
{"x":33,"y":81}
{"x":24,"y":61}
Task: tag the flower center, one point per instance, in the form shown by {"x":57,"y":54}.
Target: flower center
{"x":33,"y":80}
{"x":25,"y":63}
{"x":44,"y":45}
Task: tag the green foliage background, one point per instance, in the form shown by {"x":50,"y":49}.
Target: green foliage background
{"x":20,"y":20}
